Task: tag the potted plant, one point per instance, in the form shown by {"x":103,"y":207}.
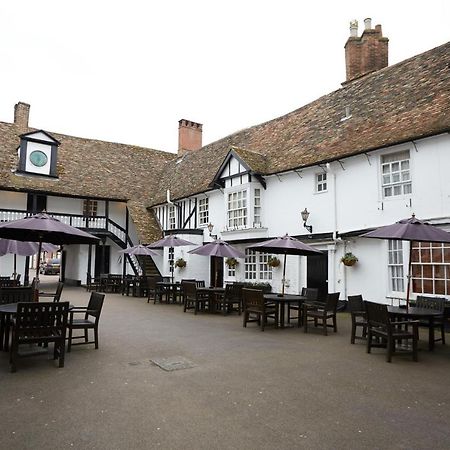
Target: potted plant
{"x":349,"y":259}
{"x":273,"y":261}
{"x":180,"y":263}
{"x":231,"y":262}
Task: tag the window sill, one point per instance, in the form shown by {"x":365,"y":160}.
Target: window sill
{"x":260,"y":231}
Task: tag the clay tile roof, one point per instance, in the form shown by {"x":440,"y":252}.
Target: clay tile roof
{"x":91,"y":168}
{"x":406,"y":101}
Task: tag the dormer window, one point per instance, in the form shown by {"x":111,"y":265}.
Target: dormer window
{"x":38,"y":154}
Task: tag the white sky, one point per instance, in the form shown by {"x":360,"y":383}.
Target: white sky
{"x":127,"y":71}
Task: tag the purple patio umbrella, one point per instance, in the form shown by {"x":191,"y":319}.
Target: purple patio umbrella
{"x":218,"y":248}
{"x":170,"y":241}
{"x":411,"y":229}
{"x":286,"y":245}
{"x":44,"y":228}
{"x":23,"y":248}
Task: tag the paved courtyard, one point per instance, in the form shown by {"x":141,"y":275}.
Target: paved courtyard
{"x":280,"y":389}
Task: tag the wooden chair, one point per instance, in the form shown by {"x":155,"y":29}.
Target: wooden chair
{"x":153,"y":290}
{"x":256,"y":309}
{"x":312,"y":295}
{"x":358,"y":316}
{"x":193,"y":299}
{"x":93,"y":310}
{"x":7,"y":282}
{"x":322,"y":313}
{"x":231,"y":300}
{"x":379,"y":325}
{"x":92,"y":284}
{"x":11,"y":295}
{"x":56,"y":295}
{"x":39,"y":323}
{"x":16,"y":294}
{"x":436,"y":304}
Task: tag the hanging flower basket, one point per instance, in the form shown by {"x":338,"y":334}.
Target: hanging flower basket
{"x":231,"y":262}
{"x":349,"y":259}
{"x":273,"y":261}
{"x":180,"y":263}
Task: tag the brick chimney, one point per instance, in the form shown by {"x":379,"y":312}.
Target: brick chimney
{"x":367,"y":53}
{"x":189,"y":136}
{"x":21,"y":115}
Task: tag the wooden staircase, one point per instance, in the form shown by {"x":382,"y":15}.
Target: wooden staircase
{"x":148,"y":266}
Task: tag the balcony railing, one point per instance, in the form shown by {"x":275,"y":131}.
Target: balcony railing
{"x":101,"y":223}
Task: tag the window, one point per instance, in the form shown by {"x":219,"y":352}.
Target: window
{"x":172,"y":221}
{"x":250,"y":264}
{"x":257,"y":208}
{"x":256,"y":267}
{"x":90,"y":207}
{"x":203,"y":211}
{"x":265,"y":271}
{"x":321,"y":182}
{"x":396,"y":176}
{"x":430,"y":265}
{"x":396,"y":266}
{"x":231,"y":271}
{"x":237,"y":209}
{"x":171,"y":259}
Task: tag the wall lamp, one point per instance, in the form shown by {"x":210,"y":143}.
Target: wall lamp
{"x":305,"y":215}
{"x":210,"y":228}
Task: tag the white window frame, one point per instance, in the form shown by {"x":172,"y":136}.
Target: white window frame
{"x":395,"y":266}
{"x":434,"y":270}
{"x":250,"y":265}
{"x":203,"y":211}
{"x":172,"y":218}
{"x":321,"y":182}
{"x":396,"y":177}
{"x":236,"y":221}
{"x":256,"y":267}
{"x":257,"y":207}
{"x":90,"y":208}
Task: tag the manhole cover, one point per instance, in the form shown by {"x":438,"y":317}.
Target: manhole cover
{"x":173,"y":363}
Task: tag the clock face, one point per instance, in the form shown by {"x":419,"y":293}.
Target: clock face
{"x":38,"y":158}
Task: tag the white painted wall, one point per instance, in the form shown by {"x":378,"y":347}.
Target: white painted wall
{"x":13,"y":200}
{"x":353,"y":201}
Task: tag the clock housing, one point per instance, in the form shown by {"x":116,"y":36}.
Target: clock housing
{"x":38,"y":153}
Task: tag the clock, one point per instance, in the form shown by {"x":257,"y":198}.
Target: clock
{"x":38,"y":158}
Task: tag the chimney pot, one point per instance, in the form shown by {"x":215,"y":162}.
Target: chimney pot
{"x":353,"y":28}
{"x":21,"y":115}
{"x":368,"y":23}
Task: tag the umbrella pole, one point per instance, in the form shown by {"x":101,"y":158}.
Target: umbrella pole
{"x":409,"y":276}
{"x":38,"y":263}
{"x":15,"y":267}
{"x":284,"y":276}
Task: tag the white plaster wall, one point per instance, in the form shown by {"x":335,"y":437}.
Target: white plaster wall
{"x":64,"y":205}
{"x":13,"y":200}
{"x":117,"y":212}
{"x":76,"y":262}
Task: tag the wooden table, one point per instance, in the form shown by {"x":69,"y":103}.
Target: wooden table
{"x":171,"y":288}
{"x":282,"y":300}
{"x":212,"y":292}
{"x":418,"y":313}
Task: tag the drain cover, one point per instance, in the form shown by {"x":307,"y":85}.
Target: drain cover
{"x":173,"y":363}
